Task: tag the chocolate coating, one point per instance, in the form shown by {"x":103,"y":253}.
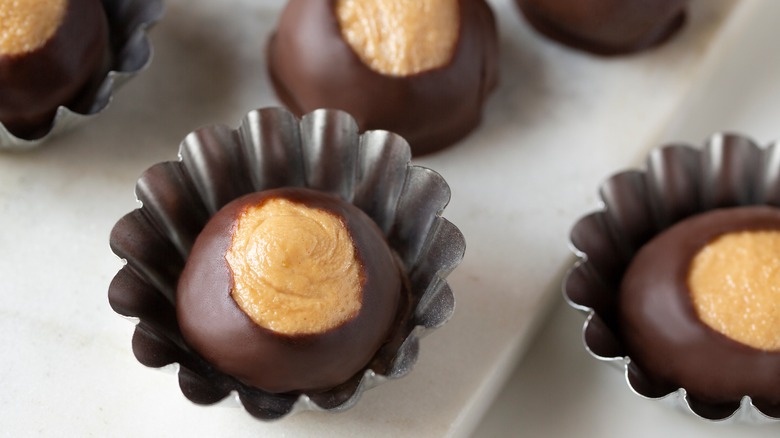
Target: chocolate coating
{"x":34,"y":84}
{"x":213,"y":324}
{"x":606,"y":27}
{"x":662,"y":331}
{"x":312,"y":66}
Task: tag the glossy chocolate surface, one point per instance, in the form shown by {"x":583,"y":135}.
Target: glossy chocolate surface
{"x":61,"y":72}
{"x":606,"y":27}
{"x":662,"y":331}
{"x":312,"y":66}
{"x":213,"y":324}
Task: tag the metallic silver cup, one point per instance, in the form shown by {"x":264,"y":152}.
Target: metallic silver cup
{"x":678,"y":181}
{"x":272,"y":148}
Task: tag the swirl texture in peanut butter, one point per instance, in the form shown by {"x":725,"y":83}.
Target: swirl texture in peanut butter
{"x":401,"y":38}
{"x":294,"y":268}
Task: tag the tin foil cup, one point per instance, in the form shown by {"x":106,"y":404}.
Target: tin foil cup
{"x":678,"y":181}
{"x":272,"y":148}
{"x":128,"y":21}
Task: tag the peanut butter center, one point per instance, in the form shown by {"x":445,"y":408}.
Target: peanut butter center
{"x":735,"y":287}
{"x":295,"y":269}
{"x":26,"y":25}
{"x":400,"y":37}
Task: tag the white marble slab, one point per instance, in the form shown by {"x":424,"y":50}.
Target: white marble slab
{"x":558,"y":124}
{"x":560,"y":390}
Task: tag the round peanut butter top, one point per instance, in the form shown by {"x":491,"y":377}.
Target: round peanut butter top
{"x":735,"y":287}
{"x":400,"y":37}
{"x":295,"y":268}
{"x":26,"y":25}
